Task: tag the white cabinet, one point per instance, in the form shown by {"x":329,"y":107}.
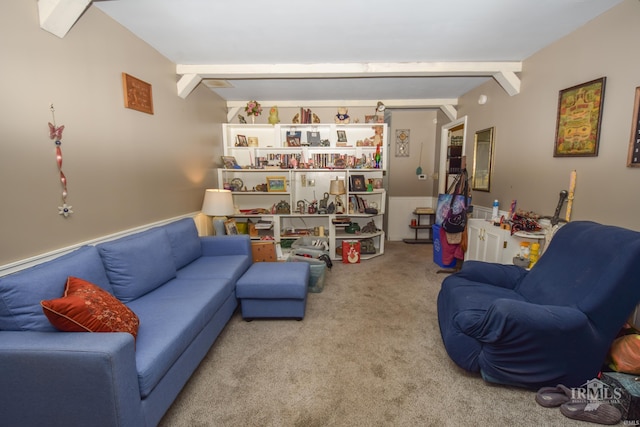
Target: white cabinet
{"x":294,"y":164}
{"x":489,"y":243}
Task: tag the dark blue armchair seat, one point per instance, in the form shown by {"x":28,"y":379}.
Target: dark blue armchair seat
{"x":550,"y":325}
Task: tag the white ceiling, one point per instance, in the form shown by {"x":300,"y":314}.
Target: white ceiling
{"x":242,"y":41}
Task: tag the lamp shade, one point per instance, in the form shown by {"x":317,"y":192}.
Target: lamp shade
{"x":217,"y":203}
{"x":337,"y":187}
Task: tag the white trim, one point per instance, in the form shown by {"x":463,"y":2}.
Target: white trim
{"x":39,"y":259}
{"x":401,"y":213}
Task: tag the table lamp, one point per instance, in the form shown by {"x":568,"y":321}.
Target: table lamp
{"x":218,"y":204}
{"x":337,"y":188}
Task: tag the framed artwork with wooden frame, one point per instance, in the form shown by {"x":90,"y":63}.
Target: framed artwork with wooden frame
{"x":579,"y":118}
{"x":276,"y":184}
{"x":137,"y":94}
{"x":230,"y":162}
{"x":357,"y":183}
{"x":342,"y":136}
{"x":242,"y":141}
{"x":633,"y":159}
{"x":231,"y":227}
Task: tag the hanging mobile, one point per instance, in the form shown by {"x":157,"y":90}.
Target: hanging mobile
{"x":55,"y":133}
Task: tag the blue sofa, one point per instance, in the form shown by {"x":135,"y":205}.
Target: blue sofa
{"x":550,"y":325}
{"x":181,"y":287}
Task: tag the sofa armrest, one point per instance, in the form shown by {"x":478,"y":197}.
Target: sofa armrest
{"x":75,"y":378}
{"x":503,"y":275}
{"x":226,"y":245}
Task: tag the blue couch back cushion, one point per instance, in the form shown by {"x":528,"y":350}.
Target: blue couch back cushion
{"x":185,"y":242}
{"x":21,"y":292}
{"x":139,"y":263}
{"x":608,"y":266}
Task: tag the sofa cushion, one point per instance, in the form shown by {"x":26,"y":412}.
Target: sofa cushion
{"x":139,"y":263}
{"x":85,"y":307}
{"x":185,"y":242}
{"x":218,"y":267}
{"x":21,"y":292}
{"x":171,"y":316}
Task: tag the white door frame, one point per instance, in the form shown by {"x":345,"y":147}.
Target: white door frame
{"x":444,"y":142}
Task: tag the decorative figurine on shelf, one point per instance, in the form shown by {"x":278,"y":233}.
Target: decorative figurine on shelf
{"x":273,"y":115}
{"x":342,"y":117}
{"x":378,"y":156}
{"x":241,"y":119}
{"x":377,"y":137}
{"x":296,"y":118}
{"x":253,"y":109}
{"x":315,"y":118}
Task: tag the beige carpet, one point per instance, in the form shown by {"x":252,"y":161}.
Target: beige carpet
{"x":368,"y":353}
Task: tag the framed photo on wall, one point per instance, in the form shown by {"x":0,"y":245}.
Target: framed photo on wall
{"x":579,"y":118}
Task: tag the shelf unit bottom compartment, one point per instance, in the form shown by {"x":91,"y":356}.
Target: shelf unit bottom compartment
{"x":422,"y":227}
{"x":378,"y":243}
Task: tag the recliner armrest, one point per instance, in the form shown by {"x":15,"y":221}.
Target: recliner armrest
{"x":505,"y":276}
{"x":515,"y":322}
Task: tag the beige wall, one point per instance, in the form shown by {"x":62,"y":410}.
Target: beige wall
{"x":525,"y":124}
{"x":423,"y":126}
{"x":124,"y":168}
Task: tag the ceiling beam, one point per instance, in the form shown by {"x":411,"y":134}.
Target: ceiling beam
{"x":509,"y":82}
{"x":187,"y":83}
{"x":503,"y":72}
{"x":58,"y":16}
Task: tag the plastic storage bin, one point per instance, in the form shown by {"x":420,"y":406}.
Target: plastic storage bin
{"x":437,"y":248}
{"x":317,"y":271}
{"x":311,"y":242}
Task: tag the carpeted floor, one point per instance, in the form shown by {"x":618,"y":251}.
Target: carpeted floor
{"x":368,"y":353}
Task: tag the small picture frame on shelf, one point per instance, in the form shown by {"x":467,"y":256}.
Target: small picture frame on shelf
{"x":231,"y":227}
{"x":276,"y":184}
{"x":342,"y":136}
{"x":357,"y":183}
{"x":242,"y":141}
{"x":293,"y":141}
{"x":230,"y":162}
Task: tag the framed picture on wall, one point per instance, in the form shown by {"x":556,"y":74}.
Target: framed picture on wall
{"x":579,"y":118}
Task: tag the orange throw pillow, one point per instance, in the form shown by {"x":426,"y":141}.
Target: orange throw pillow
{"x":86,"y":307}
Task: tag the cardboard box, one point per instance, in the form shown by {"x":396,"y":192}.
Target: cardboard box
{"x":264,"y":251}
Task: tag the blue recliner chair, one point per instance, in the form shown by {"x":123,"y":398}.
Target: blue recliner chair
{"x":550,"y":325}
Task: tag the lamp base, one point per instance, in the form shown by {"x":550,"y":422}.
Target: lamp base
{"x":218,"y":225}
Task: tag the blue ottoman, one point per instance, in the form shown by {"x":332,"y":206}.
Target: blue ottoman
{"x":274,"y":290}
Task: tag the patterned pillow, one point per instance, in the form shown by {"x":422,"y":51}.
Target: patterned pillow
{"x":85,"y":307}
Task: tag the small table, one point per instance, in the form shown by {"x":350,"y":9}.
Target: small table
{"x":418,"y":226}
